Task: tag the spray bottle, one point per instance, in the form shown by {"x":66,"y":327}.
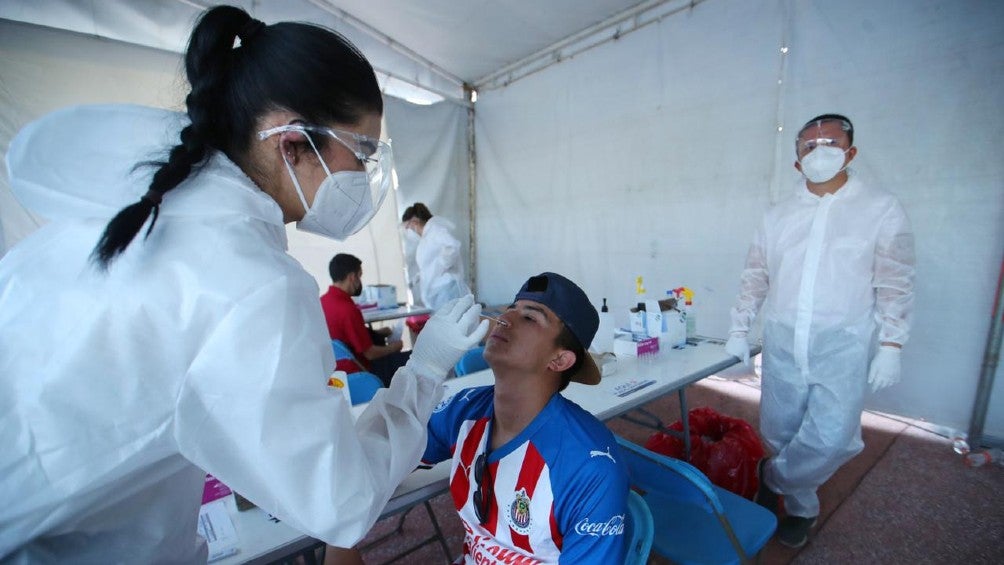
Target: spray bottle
{"x":687,"y":296}
{"x":638,"y":314}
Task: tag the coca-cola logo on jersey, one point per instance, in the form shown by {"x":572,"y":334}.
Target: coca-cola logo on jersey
{"x":612,"y":527}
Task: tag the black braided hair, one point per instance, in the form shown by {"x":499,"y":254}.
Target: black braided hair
{"x":303,"y":68}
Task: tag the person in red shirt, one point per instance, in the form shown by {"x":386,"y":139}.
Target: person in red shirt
{"x":345,"y":323}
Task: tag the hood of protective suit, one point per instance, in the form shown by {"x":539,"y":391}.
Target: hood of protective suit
{"x":86,"y":161}
{"x":438,"y":223}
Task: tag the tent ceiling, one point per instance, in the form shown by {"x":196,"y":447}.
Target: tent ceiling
{"x":473,"y":38}
{"x":435,"y":44}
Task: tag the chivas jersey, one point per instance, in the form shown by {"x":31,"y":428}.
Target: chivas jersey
{"x":558,"y":490}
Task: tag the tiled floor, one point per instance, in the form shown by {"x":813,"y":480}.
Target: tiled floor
{"x":907,"y":498}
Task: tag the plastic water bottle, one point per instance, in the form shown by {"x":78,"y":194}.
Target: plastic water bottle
{"x":981,"y":458}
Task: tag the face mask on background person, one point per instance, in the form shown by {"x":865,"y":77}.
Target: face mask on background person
{"x":411,"y":235}
{"x":823,"y":163}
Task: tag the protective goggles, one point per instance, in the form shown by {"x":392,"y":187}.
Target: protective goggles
{"x":804,"y":146}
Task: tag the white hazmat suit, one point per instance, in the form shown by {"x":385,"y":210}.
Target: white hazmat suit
{"x":832,"y":269}
{"x":203,"y":348}
{"x":441,"y":270}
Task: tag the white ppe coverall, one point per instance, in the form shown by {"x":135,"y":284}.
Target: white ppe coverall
{"x":441,"y":270}
{"x":202,"y":349}
{"x":832,"y":269}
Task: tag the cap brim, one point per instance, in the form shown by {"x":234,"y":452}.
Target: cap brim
{"x":589,"y":372}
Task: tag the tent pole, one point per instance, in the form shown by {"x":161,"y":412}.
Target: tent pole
{"x":472,"y":194}
{"x":990,"y":359}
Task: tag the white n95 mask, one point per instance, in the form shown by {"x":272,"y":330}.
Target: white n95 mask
{"x":823,"y":163}
{"x":341,"y":207}
{"x":345,"y":200}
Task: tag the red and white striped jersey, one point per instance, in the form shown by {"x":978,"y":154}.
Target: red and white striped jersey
{"x":558,"y":490}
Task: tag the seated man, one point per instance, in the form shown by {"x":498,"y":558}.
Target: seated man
{"x":345,"y":323}
{"x":534,"y":475}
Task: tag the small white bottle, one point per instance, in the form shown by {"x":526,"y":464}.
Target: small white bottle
{"x":603,"y":342}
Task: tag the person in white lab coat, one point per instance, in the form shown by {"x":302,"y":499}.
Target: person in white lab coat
{"x":133,"y":367}
{"x":835,"y":263}
{"x":440,"y":267}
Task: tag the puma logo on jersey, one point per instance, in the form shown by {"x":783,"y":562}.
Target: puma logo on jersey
{"x":597,"y":453}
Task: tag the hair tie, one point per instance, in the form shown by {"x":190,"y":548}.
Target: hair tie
{"x":249,"y":30}
{"x":153,"y":197}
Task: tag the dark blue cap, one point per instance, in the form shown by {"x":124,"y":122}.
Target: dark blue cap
{"x":571,"y":305}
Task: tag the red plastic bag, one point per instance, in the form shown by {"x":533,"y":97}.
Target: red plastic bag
{"x":725,"y":449}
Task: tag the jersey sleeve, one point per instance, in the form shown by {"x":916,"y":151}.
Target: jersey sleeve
{"x":442,"y":433}
{"x":593,"y":513}
{"x":448,"y":416}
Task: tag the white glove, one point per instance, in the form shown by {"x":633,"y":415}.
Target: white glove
{"x":737,"y":346}
{"x":448,"y":334}
{"x":885,"y":368}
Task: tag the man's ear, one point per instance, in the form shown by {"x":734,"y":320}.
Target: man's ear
{"x":851,"y":153}
{"x":562,"y":361}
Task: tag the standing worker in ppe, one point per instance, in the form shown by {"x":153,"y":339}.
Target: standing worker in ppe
{"x":132,"y":368}
{"x":835,"y":263}
{"x":440,"y":268}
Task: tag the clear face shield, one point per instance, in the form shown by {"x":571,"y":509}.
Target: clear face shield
{"x":346,"y":200}
{"x":805,"y":146}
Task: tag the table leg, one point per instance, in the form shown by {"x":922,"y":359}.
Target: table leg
{"x":685,"y":418}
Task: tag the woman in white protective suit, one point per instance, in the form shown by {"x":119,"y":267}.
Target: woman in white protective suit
{"x":132,"y":367}
{"x":440,"y":268}
{"x":835,"y":264}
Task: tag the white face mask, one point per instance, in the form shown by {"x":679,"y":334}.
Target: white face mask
{"x":342,"y":203}
{"x":345,"y":200}
{"x":411,"y":236}
{"x":823,"y":163}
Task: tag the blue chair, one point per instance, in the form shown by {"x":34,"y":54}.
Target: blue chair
{"x":362,"y":384}
{"x":695,"y":521}
{"x":472,"y":362}
{"x":342,"y":351}
{"x":640,"y":530}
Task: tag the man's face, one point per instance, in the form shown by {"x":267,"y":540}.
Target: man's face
{"x":529,"y":342}
{"x":825,"y":133}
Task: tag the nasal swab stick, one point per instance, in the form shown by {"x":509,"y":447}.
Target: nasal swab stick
{"x":498,"y":321}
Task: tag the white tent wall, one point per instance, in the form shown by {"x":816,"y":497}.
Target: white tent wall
{"x":42,"y":69}
{"x":656,"y":155}
{"x":431,"y":161}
